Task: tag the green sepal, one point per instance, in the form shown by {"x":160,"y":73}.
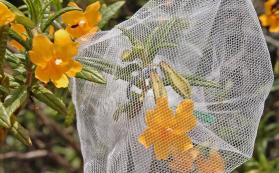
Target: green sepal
{"x":46,"y":96}
{"x":177,"y":81}
{"x":158,"y":87}
{"x":15,"y":100}
{"x":109,"y":11}
{"x":91,"y":74}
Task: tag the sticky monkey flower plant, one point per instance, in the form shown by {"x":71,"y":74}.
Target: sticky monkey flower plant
{"x":38,"y":47}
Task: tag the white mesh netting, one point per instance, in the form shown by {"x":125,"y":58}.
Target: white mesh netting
{"x":216,"y":46}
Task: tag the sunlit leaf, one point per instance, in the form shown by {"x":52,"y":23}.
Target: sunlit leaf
{"x":21,"y":133}
{"x":46,"y":96}
{"x":91,"y":74}
{"x":4,"y":117}
{"x":109,"y":11}
{"x":15,"y":99}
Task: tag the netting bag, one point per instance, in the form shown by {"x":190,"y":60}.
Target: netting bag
{"x":186,"y":85}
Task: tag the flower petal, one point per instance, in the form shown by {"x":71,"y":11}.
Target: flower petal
{"x":7,"y":16}
{"x":186,"y":121}
{"x":147,"y":138}
{"x":182,"y":143}
{"x":42,"y":50}
{"x":62,"y":82}
{"x":75,"y":68}
{"x":92,"y":14}
{"x":42,"y":74}
{"x":72,"y":18}
{"x":62,"y":42}
{"x":162,"y":150}
{"x":264,"y":20}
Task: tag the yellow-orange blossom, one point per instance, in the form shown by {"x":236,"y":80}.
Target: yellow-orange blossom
{"x":6,"y":15}
{"x":54,"y":61}
{"x":271,"y":17}
{"x":166,"y":131}
{"x":80,"y":23}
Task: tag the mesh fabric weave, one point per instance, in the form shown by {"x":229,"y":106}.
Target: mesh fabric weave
{"x":220,"y":41}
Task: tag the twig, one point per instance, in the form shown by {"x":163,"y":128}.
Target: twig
{"x":57,"y":129}
{"x":24,"y":156}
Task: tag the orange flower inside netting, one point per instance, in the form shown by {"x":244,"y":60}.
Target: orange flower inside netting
{"x":186,"y":85}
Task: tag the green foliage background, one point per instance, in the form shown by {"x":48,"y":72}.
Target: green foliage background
{"x":55,"y":143}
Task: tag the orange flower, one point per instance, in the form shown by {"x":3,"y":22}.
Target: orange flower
{"x":7,"y":16}
{"x":271,"y":17}
{"x":80,"y":23}
{"x":20,"y":29}
{"x":213,"y":164}
{"x":185,"y":162}
{"x":54,"y":61}
{"x":168,"y":132}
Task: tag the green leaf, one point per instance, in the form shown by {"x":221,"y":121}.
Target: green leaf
{"x":130,"y":109}
{"x":15,"y":100}
{"x":199,"y":81}
{"x":131,"y":36}
{"x":125,"y":72}
{"x":14,"y":35}
{"x":12,"y":7}
{"x":25,"y":21}
{"x":91,"y":74}
{"x":3,"y":45}
{"x":4,"y":117}
{"x":70,"y":117}
{"x":100,"y":64}
{"x":46,"y":96}
{"x":109,"y":11}
{"x":45,"y":25}
{"x":21,"y":133}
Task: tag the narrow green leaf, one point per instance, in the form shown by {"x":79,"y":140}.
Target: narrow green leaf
{"x":125,"y":72}
{"x":91,"y":74}
{"x":131,"y":36}
{"x":199,"y":81}
{"x":15,"y":100}
{"x":70,"y":117}
{"x":4,"y":90}
{"x":100,"y":64}
{"x":109,"y":11}
{"x":25,"y":21}
{"x":14,"y":35}
{"x":4,"y":117}
{"x":21,"y":133}
{"x":46,"y":96}
{"x":130,"y":109}
{"x":45,"y":25}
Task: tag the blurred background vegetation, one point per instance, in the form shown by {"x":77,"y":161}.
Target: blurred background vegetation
{"x":55,"y":142}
